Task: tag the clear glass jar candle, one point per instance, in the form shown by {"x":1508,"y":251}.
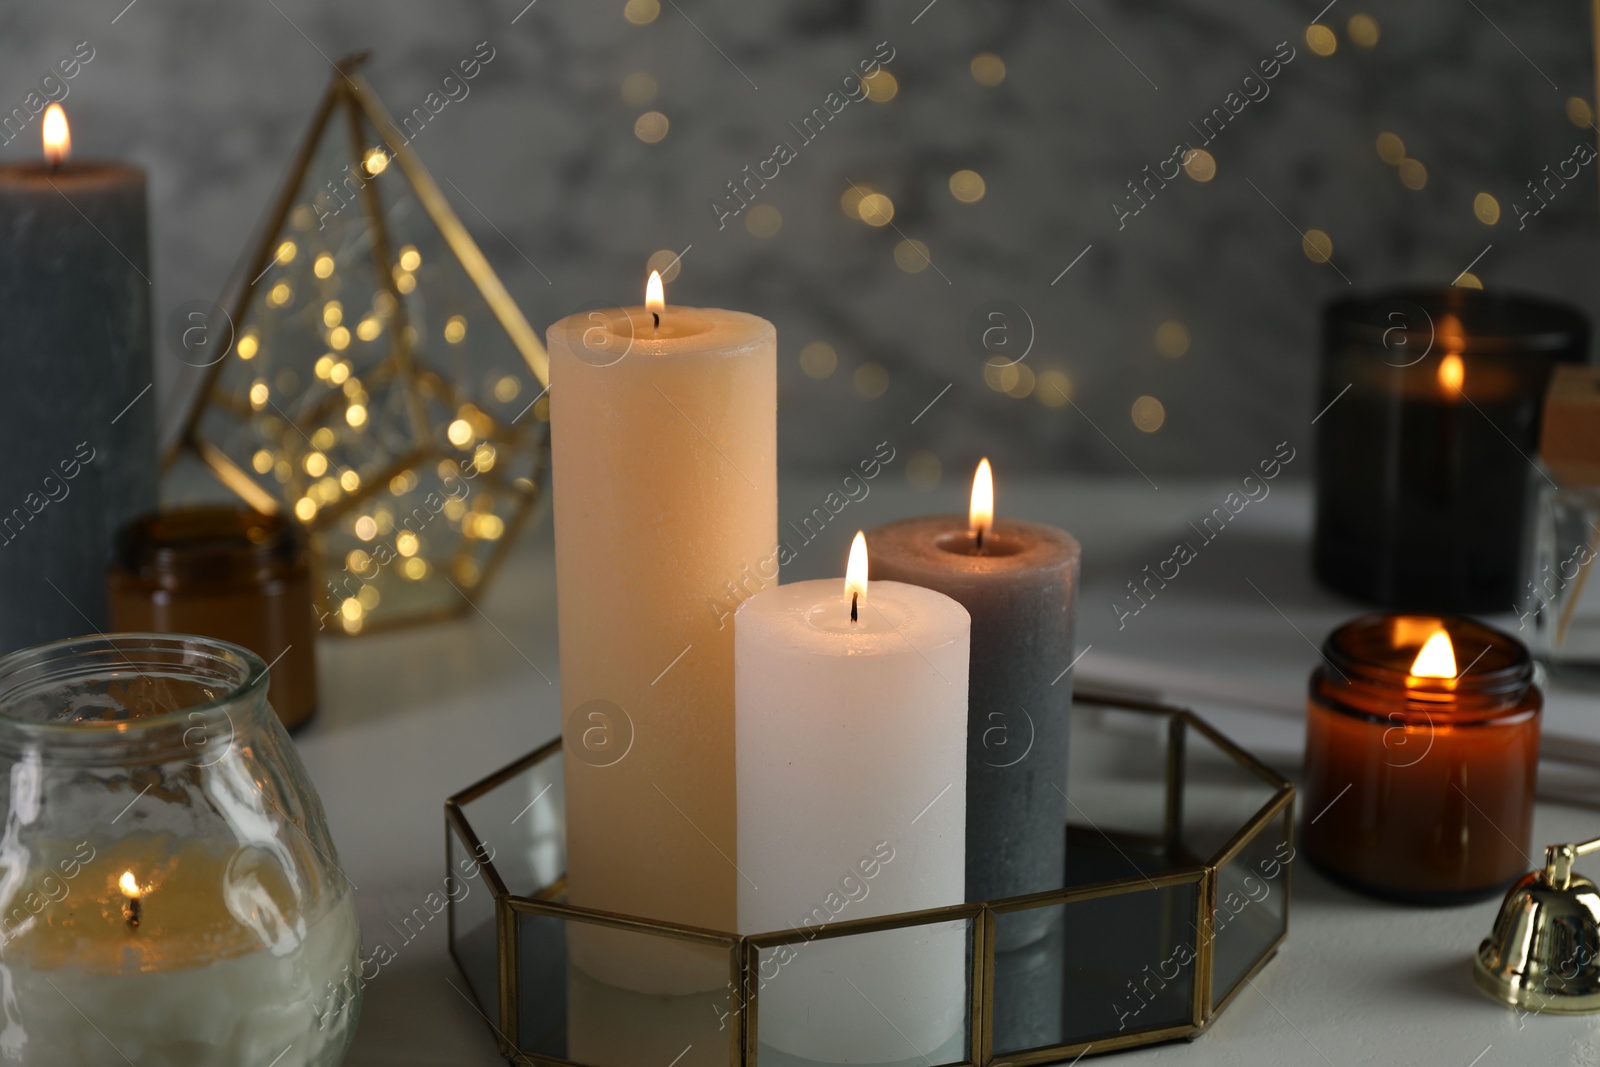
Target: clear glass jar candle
{"x":1419,"y":778}
{"x":1560,"y":604}
{"x":170,"y":889}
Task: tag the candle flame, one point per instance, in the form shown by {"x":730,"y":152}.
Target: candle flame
{"x":980,"y":513}
{"x":1452,"y":373}
{"x":1437,"y":658}
{"x":57,"y":135}
{"x":855,"y":572}
{"x":129,"y":886}
{"x":655,"y":296}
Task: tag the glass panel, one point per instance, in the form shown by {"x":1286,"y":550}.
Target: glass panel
{"x":1116,"y":801}
{"x":472,"y":933}
{"x":619,"y":998}
{"x":376,"y":395}
{"x":1108,"y":967}
{"x":522,"y":824}
{"x":889,"y":997}
{"x":1220,"y":796}
{"x":1252,"y":909}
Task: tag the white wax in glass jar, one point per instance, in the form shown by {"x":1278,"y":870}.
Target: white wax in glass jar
{"x":225,"y":966}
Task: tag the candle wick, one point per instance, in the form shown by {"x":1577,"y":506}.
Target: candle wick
{"x":656,"y":315}
{"x":131,"y":911}
{"x":853,"y":598}
{"x":980,"y":539}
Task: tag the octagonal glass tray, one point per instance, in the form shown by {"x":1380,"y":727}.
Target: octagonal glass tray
{"x":1176,"y":892}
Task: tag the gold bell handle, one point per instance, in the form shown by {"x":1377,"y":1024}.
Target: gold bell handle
{"x":1558,"y":860}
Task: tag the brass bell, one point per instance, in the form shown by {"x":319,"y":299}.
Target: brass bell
{"x":1544,"y":952}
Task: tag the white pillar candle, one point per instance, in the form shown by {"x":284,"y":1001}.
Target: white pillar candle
{"x":851,"y":736}
{"x":226,"y":964}
{"x":664,"y":458}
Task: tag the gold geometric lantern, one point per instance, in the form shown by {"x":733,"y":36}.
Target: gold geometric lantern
{"x":382,"y":386}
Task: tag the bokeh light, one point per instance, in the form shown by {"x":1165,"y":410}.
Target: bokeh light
{"x":642,"y":12}
{"x":911,"y":256}
{"x":1172,"y":338}
{"x":1199,"y":165}
{"x":1317,"y":246}
{"x":666,"y":261}
{"x":763,"y":220}
{"x":651,"y":127}
{"x":818,"y":360}
{"x":967,"y":186}
{"x":1363,"y":30}
{"x":988,"y":69}
{"x":1486,"y":208}
{"x":871,"y":380}
{"x":1149,"y":414}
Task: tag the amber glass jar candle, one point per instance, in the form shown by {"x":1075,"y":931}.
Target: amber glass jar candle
{"x":229,"y":573}
{"x":1420,"y":772}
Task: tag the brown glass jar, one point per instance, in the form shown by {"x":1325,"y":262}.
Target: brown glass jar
{"x":229,"y":573}
{"x":1421,"y":788}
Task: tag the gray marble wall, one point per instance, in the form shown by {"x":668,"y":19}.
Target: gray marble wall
{"x":213,"y":96}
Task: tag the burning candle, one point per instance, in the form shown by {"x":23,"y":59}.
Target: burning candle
{"x":1018,"y":580}
{"x":1420,"y":771}
{"x":175,"y":953}
{"x":664,"y":458}
{"x":78,"y":428}
{"x":131,"y":892}
{"x":851,"y":730}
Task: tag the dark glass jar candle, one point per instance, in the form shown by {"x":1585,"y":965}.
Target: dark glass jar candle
{"x":1421,"y":788}
{"x":229,"y":573}
{"x":1428,"y":416}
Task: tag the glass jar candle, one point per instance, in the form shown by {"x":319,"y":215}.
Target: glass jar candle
{"x":229,"y":573}
{"x":1419,"y":774}
{"x":170,"y":889}
{"x":1560,"y":605}
{"x":1428,"y":411}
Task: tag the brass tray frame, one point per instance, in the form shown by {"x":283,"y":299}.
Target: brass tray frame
{"x":1184,"y":868}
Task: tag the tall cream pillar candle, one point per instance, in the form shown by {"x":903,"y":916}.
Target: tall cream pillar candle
{"x":664,"y":457}
{"x":852,"y":740}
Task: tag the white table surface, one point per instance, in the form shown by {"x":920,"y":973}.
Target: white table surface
{"x":408,"y":718}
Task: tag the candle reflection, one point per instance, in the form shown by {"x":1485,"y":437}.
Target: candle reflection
{"x":1452,"y":373}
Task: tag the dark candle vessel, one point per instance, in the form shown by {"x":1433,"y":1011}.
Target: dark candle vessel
{"x":1427,"y":422}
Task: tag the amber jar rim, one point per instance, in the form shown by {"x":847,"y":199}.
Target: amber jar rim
{"x":208,"y":547}
{"x":240,"y":676}
{"x":1474,"y":696}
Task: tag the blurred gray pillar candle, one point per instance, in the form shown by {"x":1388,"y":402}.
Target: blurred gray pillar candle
{"x":77,"y":425}
{"x":1019,"y":586}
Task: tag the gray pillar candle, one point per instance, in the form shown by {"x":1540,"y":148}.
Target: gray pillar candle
{"x":77,"y":428}
{"x":1019,"y":588}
